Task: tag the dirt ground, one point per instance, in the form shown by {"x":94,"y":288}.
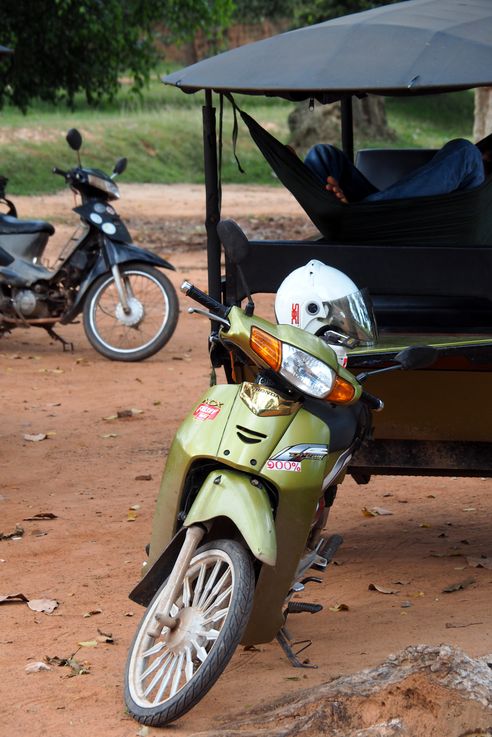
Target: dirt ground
{"x":90,"y":471}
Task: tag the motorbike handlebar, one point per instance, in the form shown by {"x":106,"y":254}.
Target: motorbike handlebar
{"x":60,"y":172}
{"x":371,"y":401}
{"x":204,"y":299}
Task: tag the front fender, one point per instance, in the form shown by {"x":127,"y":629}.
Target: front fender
{"x":118,"y":253}
{"x":228,"y":493}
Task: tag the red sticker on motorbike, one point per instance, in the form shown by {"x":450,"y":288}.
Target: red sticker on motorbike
{"x":284,"y":466}
{"x":206,"y":411}
{"x":294,"y":314}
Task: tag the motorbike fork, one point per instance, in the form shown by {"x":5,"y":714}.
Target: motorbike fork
{"x":193,"y":537}
{"x":120,"y":288}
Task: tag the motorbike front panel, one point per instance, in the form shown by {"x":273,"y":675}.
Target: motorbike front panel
{"x":291,"y":452}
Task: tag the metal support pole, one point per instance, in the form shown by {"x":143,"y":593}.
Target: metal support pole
{"x":212,"y":211}
{"x":347,"y":127}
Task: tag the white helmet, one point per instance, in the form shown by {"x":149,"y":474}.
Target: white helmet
{"x":325,"y":301}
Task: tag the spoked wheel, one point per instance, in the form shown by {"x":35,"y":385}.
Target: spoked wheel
{"x":145,"y":328}
{"x":166,"y":675}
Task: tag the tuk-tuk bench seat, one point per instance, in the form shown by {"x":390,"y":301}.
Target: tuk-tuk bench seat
{"x":413,"y":287}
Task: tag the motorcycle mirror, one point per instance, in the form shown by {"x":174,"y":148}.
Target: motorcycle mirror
{"x":235,"y":242}
{"x":120,"y":166}
{"x":417,"y":357}
{"x":74,"y":139}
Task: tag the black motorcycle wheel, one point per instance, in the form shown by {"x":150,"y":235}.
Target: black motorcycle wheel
{"x":167,"y":675}
{"x":150,"y":323}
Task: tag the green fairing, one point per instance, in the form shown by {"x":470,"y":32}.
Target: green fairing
{"x":300,"y":491}
{"x":227,"y":493}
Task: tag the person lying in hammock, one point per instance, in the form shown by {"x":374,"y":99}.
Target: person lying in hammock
{"x":458,"y":165}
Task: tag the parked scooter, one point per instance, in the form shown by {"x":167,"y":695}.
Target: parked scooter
{"x":249,"y":476}
{"x":130,"y":308}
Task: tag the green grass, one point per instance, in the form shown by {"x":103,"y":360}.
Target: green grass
{"x":161,"y":134}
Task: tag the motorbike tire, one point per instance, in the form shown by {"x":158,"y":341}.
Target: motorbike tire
{"x":106,"y":325}
{"x":167,"y":675}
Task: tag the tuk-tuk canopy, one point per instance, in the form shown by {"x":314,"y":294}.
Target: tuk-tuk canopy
{"x":411,"y":47}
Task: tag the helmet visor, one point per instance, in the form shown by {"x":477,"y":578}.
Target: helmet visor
{"x":352,"y":317}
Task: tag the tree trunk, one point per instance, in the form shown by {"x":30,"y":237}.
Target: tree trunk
{"x":412,"y":693}
{"x":483,"y":113}
{"x":322,"y":125}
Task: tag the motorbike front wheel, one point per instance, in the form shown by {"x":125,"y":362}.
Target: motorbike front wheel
{"x":166,"y":675}
{"x":150,"y":322}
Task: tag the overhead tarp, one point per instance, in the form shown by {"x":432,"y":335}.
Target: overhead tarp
{"x":411,"y":47}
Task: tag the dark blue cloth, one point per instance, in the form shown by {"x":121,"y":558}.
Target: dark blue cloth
{"x":457,"y":165}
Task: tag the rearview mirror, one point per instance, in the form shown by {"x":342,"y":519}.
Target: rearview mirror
{"x":417,"y":357}
{"x":120,"y":166}
{"x":74,"y":139}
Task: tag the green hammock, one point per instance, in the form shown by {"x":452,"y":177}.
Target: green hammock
{"x":459,"y":218}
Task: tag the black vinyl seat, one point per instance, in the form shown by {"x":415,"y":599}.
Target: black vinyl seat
{"x":12,"y":226}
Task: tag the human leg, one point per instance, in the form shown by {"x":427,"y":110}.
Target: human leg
{"x":456,"y":166}
{"x":326,"y":160}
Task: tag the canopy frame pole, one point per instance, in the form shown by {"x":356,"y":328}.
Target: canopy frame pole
{"x":347,"y":126}
{"x":212,"y":206}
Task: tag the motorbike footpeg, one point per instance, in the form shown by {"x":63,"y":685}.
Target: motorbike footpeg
{"x":297,"y":607}
{"x":328,"y":547}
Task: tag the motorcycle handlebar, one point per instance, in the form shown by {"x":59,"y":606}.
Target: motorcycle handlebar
{"x":60,"y":172}
{"x":204,"y":299}
{"x":371,"y":401}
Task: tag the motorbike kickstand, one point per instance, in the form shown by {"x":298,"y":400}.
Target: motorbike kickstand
{"x":67,"y":345}
{"x":283,"y":639}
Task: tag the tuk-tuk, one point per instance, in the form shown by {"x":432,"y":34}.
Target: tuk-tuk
{"x":427,"y":262}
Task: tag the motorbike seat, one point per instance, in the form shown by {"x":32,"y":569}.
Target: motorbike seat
{"x":13,"y":226}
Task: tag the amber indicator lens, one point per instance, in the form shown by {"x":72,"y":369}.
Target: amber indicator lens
{"x":267,"y":347}
{"x":342,"y":391}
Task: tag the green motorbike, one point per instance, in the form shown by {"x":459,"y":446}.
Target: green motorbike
{"x":249,"y":480}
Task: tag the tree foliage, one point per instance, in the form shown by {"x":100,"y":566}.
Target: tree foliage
{"x":317,"y":11}
{"x":63,"y":47}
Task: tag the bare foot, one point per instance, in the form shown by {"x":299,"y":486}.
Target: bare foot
{"x":333,"y":186}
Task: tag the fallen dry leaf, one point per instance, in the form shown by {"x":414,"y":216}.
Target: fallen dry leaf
{"x":88,"y":643}
{"x":15,"y":535}
{"x":40,"y":515}
{"x":36,"y":667}
{"x":458,"y":586}
{"x":375,"y":512}
{"x":144,"y":477}
{"x":339,"y":608}
{"x":76,"y":668}
{"x":93,"y":612}
{"x":480,"y":562}
{"x":109,"y":435}
{"x":132,"y":515}
{"x":35,"y":438}
{"x":42,"y":605}
{"x":382,"y":589}
{"x":105,"y":637}
{"x":13,"y":597}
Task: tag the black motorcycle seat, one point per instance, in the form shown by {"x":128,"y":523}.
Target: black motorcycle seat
{"x":13,"y":226}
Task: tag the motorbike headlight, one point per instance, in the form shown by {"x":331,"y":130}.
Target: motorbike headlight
{"x":302,"y":370}
{"x":305,"y":372}
{"x":106,"y":185}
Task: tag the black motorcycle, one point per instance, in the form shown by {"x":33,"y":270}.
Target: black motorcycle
{"x":130,"y":308}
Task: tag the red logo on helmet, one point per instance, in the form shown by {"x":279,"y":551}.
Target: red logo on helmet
{"x":294,"y":315}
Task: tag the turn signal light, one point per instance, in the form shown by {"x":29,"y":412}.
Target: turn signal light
{"x":267,"y":347}
{"x":342,"y":392}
